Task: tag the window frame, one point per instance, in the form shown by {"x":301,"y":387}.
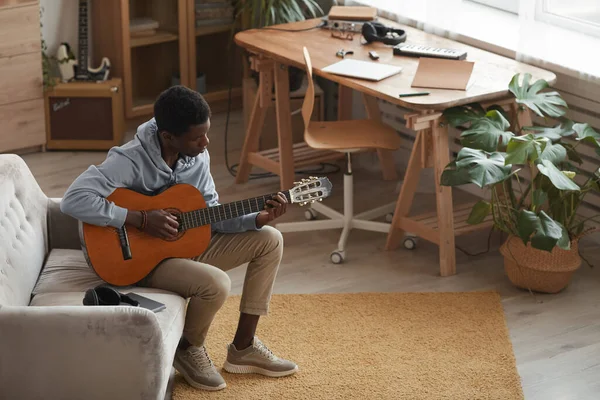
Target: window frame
{"x":542,"y":15}
{"x":511,"y":6}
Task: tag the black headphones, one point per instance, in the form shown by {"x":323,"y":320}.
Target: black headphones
{"x":377,"y":32}
{"x":103,"y":295}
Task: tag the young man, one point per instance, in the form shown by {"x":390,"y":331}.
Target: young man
{"x":170,"y":149}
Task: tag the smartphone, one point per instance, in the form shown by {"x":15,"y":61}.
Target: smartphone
{"x":145,"y":302}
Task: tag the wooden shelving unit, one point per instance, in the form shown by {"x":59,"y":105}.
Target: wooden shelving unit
{"x":159,"y":37}
{"x":178,"y":52}
{"x":210,"y":29}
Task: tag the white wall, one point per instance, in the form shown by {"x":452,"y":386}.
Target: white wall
{"x":59,"y":23}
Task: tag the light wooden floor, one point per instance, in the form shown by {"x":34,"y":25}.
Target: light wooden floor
{"x":556,"y":338}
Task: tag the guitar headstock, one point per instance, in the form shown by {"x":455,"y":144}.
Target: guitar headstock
{"x":309,"y":190}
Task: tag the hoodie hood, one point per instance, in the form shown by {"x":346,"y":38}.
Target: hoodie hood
{"x":147,"y":135}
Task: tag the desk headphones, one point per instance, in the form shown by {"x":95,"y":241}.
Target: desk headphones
{"x":377,"y":32}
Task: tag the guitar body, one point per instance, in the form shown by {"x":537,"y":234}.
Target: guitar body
{"x":99,"y":74}
{"x":103,"y":249}
{"x":124,"y":256}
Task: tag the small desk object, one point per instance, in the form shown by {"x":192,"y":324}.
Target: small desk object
{"x":273,"y":51}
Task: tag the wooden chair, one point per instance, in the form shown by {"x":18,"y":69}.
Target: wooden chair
{"x":348,"y":137}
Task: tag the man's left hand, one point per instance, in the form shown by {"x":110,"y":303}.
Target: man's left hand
{"x":274,"y":209}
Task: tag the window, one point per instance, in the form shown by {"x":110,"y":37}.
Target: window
{"x":511,"y":6}
{"x":578,"y":15}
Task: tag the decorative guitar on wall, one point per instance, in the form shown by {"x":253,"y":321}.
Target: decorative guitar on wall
{"x":73,"y":69}
{"x":123,"y":256}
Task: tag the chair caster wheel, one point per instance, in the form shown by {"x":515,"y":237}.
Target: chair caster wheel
{"x":337,"y":257}
{"x":310,"y":214}
{"x":389,"y":217}
{"x":410,"y":243}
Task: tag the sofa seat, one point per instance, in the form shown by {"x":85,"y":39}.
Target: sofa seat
{"x":66,"y":276}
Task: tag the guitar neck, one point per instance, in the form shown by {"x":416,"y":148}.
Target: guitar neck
{"x":222,"y":212}
{"x":83,"y":36}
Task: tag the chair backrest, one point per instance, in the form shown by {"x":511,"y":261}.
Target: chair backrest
{"x":309,"y":97}
{"x":23,"y":231}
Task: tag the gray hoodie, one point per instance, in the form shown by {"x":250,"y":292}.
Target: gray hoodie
{"x":139,"y":166}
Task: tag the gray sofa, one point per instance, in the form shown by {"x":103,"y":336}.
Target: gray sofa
{"x":51,"y":345}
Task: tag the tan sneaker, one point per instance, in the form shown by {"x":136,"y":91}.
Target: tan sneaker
{"x":257,"y":359}
{"x":198,"y":369}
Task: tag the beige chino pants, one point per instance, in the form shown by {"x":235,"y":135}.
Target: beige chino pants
{"x":204,"y":281}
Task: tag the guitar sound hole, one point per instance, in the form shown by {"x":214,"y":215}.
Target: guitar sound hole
{"x":181,"y":231}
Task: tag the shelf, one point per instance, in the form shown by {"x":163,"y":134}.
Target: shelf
{"x":210,"y":29}
{"x":303,"y":156}
{"x":221,"y":93}
{"x":426,"y":225}
{"x":158,"y":37}
{"x":144,"y":105}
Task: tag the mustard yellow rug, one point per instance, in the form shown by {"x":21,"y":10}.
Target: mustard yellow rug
{"x":374,"y":346}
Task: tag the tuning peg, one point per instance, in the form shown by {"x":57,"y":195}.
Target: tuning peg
{"x":320,"y":199}
{"x":297,"y":183}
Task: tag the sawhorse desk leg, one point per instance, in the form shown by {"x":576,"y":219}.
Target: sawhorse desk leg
{"x":282,"y":160}
{"x":257,"y":118}
{"x":431,"y":150}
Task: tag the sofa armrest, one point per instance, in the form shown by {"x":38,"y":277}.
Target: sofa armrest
{"x":83,"y":352}
{"x":63,"y":230}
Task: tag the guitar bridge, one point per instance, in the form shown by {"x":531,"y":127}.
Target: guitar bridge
{"x":124,"y":242}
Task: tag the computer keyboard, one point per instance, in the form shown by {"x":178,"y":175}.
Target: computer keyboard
{"x":413,"y":50}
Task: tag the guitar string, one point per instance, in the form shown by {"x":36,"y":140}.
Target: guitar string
{"x":198,"y":216}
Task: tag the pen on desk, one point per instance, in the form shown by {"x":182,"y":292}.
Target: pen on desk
{"x":413,"y":94}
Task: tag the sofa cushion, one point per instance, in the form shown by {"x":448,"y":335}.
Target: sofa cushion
{"x":23,"y":231}
{"x":66,"y":270}
{"x":66,"y":276}
{"x":171,"y":319}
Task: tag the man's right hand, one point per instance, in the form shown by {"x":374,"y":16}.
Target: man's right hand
{"x":162,"y":224}
{"x":159,"y":223}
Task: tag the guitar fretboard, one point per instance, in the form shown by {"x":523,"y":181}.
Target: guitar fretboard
{"x":222,"y":212}
{"x":83,"y":37}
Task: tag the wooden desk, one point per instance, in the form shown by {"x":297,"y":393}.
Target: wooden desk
{"x":276,"y":50}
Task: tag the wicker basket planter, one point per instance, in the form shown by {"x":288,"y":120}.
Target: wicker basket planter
{"x":540,"y":271}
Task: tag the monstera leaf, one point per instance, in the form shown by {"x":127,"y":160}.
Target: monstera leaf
{"x":558,"y":178}
{"x":486,"y":133}
{"x":564,"y":128}
{"x":451,"y":176}
{"x":524,"y":149}
{"x":479,"y":212}
{"x":546,"y":232}
{"x":548,"y":103}
{"x":483,"y":168}
{"x":550,"y":234}
{"x":457,"y":116}
{"x":554,"y":153}
{"x":586,"y":133}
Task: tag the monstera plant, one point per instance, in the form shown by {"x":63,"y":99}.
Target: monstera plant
{"x":535,"y":181}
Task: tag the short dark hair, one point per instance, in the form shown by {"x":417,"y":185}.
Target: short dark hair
{"x":178,"y":108}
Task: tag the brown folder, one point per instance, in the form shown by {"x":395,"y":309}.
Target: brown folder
{"x":440,"y":73}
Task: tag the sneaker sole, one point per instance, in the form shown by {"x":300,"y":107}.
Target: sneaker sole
{"x":195,"y":384}
{"x":251,"y":369}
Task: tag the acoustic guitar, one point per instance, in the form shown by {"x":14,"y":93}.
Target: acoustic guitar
{"x":123,"y":256}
